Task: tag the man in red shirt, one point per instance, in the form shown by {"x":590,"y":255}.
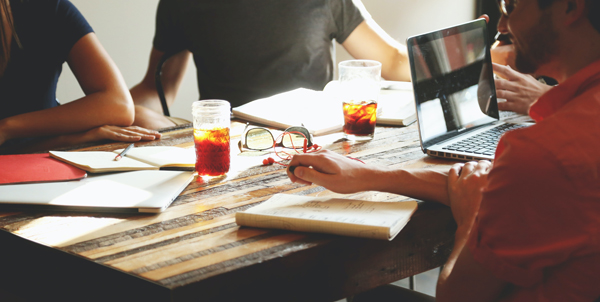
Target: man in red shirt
{"x":530,"y":221}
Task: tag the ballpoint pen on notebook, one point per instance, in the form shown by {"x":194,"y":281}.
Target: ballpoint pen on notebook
{"x":120,"y":155}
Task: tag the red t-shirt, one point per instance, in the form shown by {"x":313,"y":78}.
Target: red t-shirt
{"x":538,"y":227}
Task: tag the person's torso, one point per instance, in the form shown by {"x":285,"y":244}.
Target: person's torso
{"x":571,"y":136}
{"x":245,"y":50}
{"x":30,"y":79}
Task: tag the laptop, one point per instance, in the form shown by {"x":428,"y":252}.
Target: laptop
{"x":455,"y":96}
{"x":148,"y":191}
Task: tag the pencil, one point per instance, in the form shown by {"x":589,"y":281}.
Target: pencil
{"x":120,"y":155}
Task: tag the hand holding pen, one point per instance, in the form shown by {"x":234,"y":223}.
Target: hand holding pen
{"x":502,"y":50}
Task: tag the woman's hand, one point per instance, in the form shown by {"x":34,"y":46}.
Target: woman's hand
{"x":519,"y":90}
{"x":465,"y":184}
{"x":116,"y":133}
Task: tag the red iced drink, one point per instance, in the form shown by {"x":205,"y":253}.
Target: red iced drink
{"x":212,"y":151}
{"x":360,"y":118}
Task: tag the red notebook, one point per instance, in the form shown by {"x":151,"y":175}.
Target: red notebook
{"x":28,"y":168}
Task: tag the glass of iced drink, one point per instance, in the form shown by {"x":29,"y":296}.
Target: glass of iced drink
{"x":359,"y":92}
{"x":211,"y":137}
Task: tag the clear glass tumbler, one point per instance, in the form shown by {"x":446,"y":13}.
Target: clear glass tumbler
{"x":359,"y":91}
{"x":211,"y":136}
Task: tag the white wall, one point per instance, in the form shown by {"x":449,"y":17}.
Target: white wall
{"x":126,"y":27}
{"x":404,"y":18}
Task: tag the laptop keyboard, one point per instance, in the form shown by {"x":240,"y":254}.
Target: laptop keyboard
{"x":507,"y":114}
{"x":483,"y":143}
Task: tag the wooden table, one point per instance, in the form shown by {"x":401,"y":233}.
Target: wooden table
{"x":194,"y":251}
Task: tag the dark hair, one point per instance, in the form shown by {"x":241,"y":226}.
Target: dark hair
{"x":544,"y":3}
{"x":5,"y":35}
{"x":593,"y":11}
{"x":593,"y":7}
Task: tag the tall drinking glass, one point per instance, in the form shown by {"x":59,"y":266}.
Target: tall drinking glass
{"x":359,"y":90}
{"x":211,"y":136}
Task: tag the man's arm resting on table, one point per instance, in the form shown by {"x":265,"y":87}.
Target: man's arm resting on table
{"x":462,"y":279}
{"x":148,"y":109}
{"x":343,"y":175}
{"x":369,"y":41}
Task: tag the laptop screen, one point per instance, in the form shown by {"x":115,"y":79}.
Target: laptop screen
{"x":452,"y":80}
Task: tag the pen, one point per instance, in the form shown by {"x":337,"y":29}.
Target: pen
{"x":501,"y":38}
{"x":120,"y":155}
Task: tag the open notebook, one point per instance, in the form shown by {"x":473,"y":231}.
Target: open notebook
{"x":347,"y":217}
{"x":142,"y":158}
{"x":137,"y":191}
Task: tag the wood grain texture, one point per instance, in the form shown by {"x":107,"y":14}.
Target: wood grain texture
{"x":195,"y":251}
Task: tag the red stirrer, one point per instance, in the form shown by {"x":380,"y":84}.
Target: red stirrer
{"x":305,"y":149}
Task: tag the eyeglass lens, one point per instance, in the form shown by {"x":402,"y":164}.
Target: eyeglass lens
{"x":295,"y":140}
{"x":259,"y":139}
{"x":507,"y":6}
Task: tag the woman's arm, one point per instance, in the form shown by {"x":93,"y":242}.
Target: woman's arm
{"x":106,"y":102}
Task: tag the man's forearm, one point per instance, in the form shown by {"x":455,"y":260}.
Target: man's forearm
{"x":146,"y":96}
{"x":420,"y":184}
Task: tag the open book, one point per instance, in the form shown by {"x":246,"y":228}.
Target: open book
{"x":319,"y":113}
{"x":358,"y":218}
{"x":142,"y":158}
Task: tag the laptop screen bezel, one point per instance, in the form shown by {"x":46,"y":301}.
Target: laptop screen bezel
{"x":440,"y":34}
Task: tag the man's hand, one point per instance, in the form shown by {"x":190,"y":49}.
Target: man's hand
{"x":519,"y":90}
{"x":330,"y":170}
{"x":503,"y":54}
{"x":465,"y":183}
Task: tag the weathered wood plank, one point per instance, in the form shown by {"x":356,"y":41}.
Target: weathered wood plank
{"x":9,"y":214}
{"x":208,"y":244}
{"x":184,"y":267}
{"x":157,"y":237}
